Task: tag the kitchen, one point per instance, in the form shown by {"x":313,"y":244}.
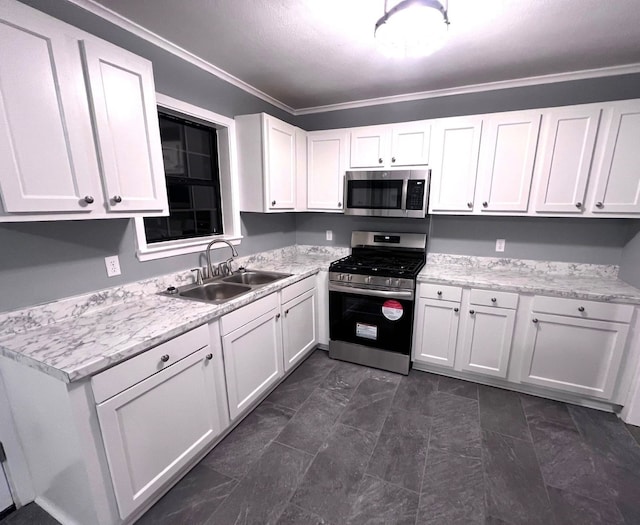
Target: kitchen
{"x":47,"y":261}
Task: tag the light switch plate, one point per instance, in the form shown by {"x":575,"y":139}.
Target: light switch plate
{"x":500,"y":244}
{"x":113,"y":265}
{"x":329,"y":235}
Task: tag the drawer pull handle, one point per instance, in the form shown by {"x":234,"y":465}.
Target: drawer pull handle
{"x":209,"y":357}
{"x":599,"y":205}
{"x":164,"y":358}
{"x":117,"y":199}
{"x":494,"y":299}
{"x":277,"y":316}
{"x":534,"y":320}
{"x":88,"y":199}
{"x":578,"y":205}
{"x":339,"y":205}
{"x":273,"y":203}
{"x":472,"y":312}
{"x":380,"y":161}
{"x":393,"y":159}
{"x":439,"y":292}
{"x":456,"y":310}
{"x":485,"y":204}
{"x":580,"y":308}
{"x":286,"y":312}
{"x":469,"y":204}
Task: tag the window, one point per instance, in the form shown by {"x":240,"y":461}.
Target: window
{"x":190,"y":155}
{"x":198,"y":149}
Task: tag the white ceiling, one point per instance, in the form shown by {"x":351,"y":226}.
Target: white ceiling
{"x":308,"y":53}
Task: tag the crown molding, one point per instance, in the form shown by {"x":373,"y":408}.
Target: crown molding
{"x":477,"y":88}
{"x":132,"y":27}
{"x":124,"y":23}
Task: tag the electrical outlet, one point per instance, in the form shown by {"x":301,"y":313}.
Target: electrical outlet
{"x":329,"y":235}
{"x":113,"y":266}
{"x":500,"y":244}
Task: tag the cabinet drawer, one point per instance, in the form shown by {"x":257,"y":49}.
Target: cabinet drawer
{"x":493,"y":298}
{"x":583,"y":309}
{"x":127,"y":374}
{"x":242,"y":316}
{"x":296,"y":289}
{"x":440,"y":291}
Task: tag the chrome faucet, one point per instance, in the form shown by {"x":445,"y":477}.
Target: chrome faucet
{"x":234,"y":253}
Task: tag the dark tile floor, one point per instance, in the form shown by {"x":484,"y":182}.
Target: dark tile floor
{"x":340,"y":444}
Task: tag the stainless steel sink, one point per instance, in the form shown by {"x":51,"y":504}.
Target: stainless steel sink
{"x":253,"y":277}
{"x":214,"y":292}
{"x":221,"y":289}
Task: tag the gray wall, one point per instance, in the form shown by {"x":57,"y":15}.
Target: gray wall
{"x":630,"y":261}
{"x":594,"y":241}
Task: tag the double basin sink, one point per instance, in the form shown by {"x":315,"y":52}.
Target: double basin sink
{"x":221,"y":289}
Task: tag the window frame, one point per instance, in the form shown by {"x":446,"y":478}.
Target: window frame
{"x":229,"y":187}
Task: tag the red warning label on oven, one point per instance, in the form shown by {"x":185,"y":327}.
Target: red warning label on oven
{"x":392,"y":310}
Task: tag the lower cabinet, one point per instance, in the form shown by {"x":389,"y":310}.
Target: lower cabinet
{"x":575,"y":352}
{"x":299,"y":327}
{"x":436,"y":332}
{"x":153,"y":429}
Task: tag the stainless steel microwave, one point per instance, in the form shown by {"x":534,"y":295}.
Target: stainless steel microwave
{"x":392,"y":193}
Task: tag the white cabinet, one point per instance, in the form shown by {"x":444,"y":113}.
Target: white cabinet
{"x":567,"y":143}
{"x":575,"y":347}
{"x":616,"y":174}
{"x":403,"y":144}
{"x":252,"y":348}
{"x":327,"y":161}
{"x":47,"y":146}
{"x":268,"y":152}
{"x":154,"y":428}
{"x":455,"y":145}
{"x":436,"y":332}
{"x":507,"y":154}
{"x":299,"y":327}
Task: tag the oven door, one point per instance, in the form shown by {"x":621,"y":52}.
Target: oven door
{"x":376,"y":194}
{"x":376,"y":318}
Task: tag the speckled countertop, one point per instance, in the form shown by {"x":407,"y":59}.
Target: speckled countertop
{"x":77,"y":337}
{"x":570,"y":280}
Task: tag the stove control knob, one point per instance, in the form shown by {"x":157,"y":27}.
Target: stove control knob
{"x":341,"y":277}
{"x":388,"y":282}
{"x":397,"y":283}
{"x":368,"y":280}
{"x":350,"y":277}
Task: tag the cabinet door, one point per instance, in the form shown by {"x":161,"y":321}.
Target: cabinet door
{"x":455,"y":144}
{"x":563,"y":164}
{"x":152,"y":430}
{"x":487,"y":340}
{"x":509,"y":143}
{"x":436,"y":332}
{"x":252,"y":360}
{"x":299,"y":327}
{"x":580,"y":356}
{"x":127,"y":130}
{"x":47,"y":151}
{"x":617,"y":175}
{"x":327,"y":157}
{"x":370,"y":147}
{"x":410,"y":144}
{"x":280,"y":162}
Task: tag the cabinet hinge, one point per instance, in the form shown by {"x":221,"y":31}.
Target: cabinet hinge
{"x":3,"y":456}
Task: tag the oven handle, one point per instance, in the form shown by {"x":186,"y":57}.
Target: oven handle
{"x":393,"y":294}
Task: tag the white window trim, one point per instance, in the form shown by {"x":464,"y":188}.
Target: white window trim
{"x":229,"y":190}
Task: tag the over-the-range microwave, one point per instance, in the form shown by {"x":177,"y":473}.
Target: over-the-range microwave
{"x":386,"y":193}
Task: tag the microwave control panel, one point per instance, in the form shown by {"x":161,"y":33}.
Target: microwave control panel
{"x":415,"y":194}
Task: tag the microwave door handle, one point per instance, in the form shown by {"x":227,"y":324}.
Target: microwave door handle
{"x":391,"y":294}
{"x":405,"y":191}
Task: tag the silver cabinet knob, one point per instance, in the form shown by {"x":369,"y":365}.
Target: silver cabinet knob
{"x":599,"y":205}
{"x":534,"y":320}
{"x":286,"y":312}
{"x":469,"y":204}
{"x":580,"y":308}
{"x":494,"y":299}
{"x":456,"y":309}
{"x":273,"y":203}
{"x":485,"y":204}
{"x":117,"y":199}
{"x":439,"y":292}
{"x":277,"y":316}
{"x":88,"y":199}
{"x":578,"y":205}
{"x":393,"y":159}
{"x":339,"y":205}
{"x":209,"y":357}
{"x":472,"y":312}
{"x":380,"y":161}
{"x":164,"y":358}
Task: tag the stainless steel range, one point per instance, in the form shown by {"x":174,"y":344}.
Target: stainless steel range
{"x":371,"y":299}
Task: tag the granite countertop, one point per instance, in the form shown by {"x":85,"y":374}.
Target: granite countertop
{"x":569,"y":280}
{"x":81,"y":336}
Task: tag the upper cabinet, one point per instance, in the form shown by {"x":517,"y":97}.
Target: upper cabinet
{"x":327,"y":160}
{"x":616,"y":171}
{"x":51,"y":107}
{"x":268,"y":161}
{"x":405,"y":144}
{"x":454,"y":164}
{"x":567,"y":142}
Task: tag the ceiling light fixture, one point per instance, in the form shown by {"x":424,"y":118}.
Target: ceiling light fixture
{"x":412,"y":28}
